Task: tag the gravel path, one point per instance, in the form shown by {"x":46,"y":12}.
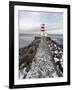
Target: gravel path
{"x":42,"y":65}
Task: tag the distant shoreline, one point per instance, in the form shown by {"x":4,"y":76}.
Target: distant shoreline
{"x":35,"y":34}
{"x":26,"y":39}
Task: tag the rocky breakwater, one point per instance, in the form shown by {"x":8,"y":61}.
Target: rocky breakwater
{"x":41,"y":59}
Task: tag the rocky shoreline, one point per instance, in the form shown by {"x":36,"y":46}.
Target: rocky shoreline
{"x":27,"y":56}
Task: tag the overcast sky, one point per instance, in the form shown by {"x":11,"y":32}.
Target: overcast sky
{"x":30,"y":21}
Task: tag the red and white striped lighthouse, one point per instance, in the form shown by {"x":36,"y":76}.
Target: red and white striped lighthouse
{"x":42,"y":29}
{"x":43,"y":32}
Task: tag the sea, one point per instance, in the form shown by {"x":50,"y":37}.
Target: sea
{"x":26,"y":39}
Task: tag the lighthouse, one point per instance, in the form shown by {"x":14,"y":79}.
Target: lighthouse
{"x":42,"y":27}
{"x":43,"y":32}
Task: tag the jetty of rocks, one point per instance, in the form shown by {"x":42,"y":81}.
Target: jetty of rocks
{"x":43,"y":58}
